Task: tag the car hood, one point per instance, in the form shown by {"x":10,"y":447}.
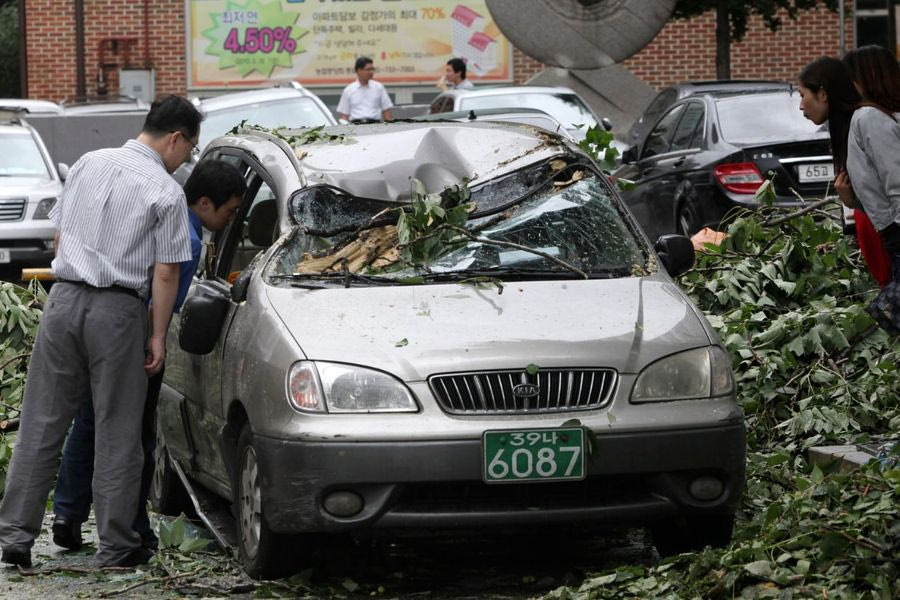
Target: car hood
{"x":29,"y":186}
{"x":417,"y":331}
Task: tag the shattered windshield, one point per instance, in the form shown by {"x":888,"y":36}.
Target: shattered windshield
{"x":515,"y":228}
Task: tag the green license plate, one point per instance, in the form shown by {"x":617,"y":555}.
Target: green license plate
{"x":533,"y":455}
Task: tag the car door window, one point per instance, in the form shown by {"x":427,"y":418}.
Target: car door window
{"x":442,"y":104}
{"x":661,"y":134}
{"x":659,"y":104}
{"x":686,"y":131}
{"x":253,"y":230}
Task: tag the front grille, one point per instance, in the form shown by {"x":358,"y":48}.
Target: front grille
{"x":12,"y":209}
{"x":502,"y":392}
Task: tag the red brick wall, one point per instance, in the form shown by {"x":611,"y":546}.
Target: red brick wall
{"x":50,"y":44}
{"x":524,"y":67}
{"x":686,"y":50}
{"x":683,"y":49}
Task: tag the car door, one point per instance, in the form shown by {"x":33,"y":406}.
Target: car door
{"x":646,"y":171}
{"x":230,"y":253}
{"x":672,"y":165}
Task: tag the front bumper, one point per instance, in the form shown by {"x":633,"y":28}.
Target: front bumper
{"x":631,"y":478}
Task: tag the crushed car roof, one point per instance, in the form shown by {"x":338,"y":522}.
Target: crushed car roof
{"x":377,"y":161}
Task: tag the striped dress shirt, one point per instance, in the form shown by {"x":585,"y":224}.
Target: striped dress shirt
{"x":119,"y":214}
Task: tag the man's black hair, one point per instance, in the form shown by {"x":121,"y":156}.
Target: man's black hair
{"x":218,"y":180}
{"x":172,"y":113}
{"x":459,"y":66}
{"x":362,"y":62}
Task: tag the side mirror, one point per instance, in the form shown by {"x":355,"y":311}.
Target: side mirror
{"x":630,"y":155}
{"x":607,"y":124}
{"x":240,"y":285}
{"x":63,"y":170}
{"x":202,"y":318}
{"x":676,"y":253}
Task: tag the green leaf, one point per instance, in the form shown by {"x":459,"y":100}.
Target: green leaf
{"x":833,"y":545}
{"x":193,"y":545}
{"x":165,"y":535}
{"x":177,"y":531}
{"x":401,"y":343}
{"x":350,"y":585}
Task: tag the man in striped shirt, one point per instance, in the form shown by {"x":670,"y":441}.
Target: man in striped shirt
{"x":122,"y":230}
{"x":214,"y":192}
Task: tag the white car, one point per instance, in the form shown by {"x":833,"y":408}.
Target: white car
{"x":291,"y":106}
{"x":29,"y":186}
{"x":561,"y":103}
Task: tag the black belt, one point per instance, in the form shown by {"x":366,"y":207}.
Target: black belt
{"x":364,"y":121}
{"x":113,"y":288}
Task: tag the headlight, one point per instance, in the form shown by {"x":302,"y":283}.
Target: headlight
{"x":43,"y":208}
{"x":338,"y":388}
{"x":698,"y":373}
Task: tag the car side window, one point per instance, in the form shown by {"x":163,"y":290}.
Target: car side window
{"x":212,"y":243}
{"x":661,"y":134}
{"x":440,"y":105}
{"x":686,"y":132}
{"x":663,"y":100}
{"x":252,"y":231}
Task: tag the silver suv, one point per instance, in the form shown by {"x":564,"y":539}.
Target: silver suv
{"x":337,"y":368}
{"x":29,"y":186}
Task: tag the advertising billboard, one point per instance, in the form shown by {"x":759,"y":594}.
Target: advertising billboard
{"x":249,"y":43}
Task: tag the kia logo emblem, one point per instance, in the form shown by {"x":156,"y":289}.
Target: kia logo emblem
{"x":526,"y":390}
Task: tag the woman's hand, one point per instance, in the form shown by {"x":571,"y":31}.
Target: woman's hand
{"x":845,"y":190}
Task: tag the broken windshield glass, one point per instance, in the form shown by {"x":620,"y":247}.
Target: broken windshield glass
{"x":569,"y":225}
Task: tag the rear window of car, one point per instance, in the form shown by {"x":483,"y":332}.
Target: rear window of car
{"x":290,"y":112}
{"x":568,"y":109}
{"x":762,"y":118}
{"x":21,"y":157}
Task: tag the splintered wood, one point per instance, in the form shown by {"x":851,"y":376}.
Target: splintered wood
{"x":375,"y":248}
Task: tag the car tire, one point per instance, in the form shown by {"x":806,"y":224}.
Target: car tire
{"x":687,"y":534}
{"x":167,"y":493}
{"x":686,"y":221}
{"x":263,"y":554}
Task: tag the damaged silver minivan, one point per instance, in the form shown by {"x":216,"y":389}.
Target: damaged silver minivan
{"x":432,"y":326}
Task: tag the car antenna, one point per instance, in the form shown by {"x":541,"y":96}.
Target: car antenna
{"x":472,"y":116}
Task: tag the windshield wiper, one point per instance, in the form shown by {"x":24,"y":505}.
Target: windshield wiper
{"x":523,"y":273}
{"x":345,"y":277}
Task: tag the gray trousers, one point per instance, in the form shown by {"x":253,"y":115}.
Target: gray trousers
{"x":88,"y":339}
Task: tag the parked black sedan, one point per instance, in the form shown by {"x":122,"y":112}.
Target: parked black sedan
{"x":709,"y":153}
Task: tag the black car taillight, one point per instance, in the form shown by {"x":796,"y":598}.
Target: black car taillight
{"x":740,"y":178}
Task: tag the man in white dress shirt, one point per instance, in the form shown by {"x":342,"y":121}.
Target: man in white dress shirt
{"x":365,"y":100}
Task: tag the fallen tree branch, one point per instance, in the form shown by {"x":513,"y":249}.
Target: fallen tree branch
{"x":13,"y":359}
{"x":802,"y":211}
{"x":166,"y":578}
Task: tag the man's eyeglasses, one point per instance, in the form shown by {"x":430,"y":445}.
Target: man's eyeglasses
{"x":195,"y":149}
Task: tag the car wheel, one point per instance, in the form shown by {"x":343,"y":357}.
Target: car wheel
{"x":686,"y":220}
{"x":263,"y":553}
{"x":687,"y":534}
{"x":167,"y":493}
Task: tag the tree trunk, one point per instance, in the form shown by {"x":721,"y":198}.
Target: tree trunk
{"x":723,"y":41}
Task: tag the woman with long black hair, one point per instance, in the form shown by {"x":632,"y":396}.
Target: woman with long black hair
{"x":827,"y":94}
{"x":873,"y":163}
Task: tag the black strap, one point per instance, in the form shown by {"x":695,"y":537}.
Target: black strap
{"x":113,"y":288}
